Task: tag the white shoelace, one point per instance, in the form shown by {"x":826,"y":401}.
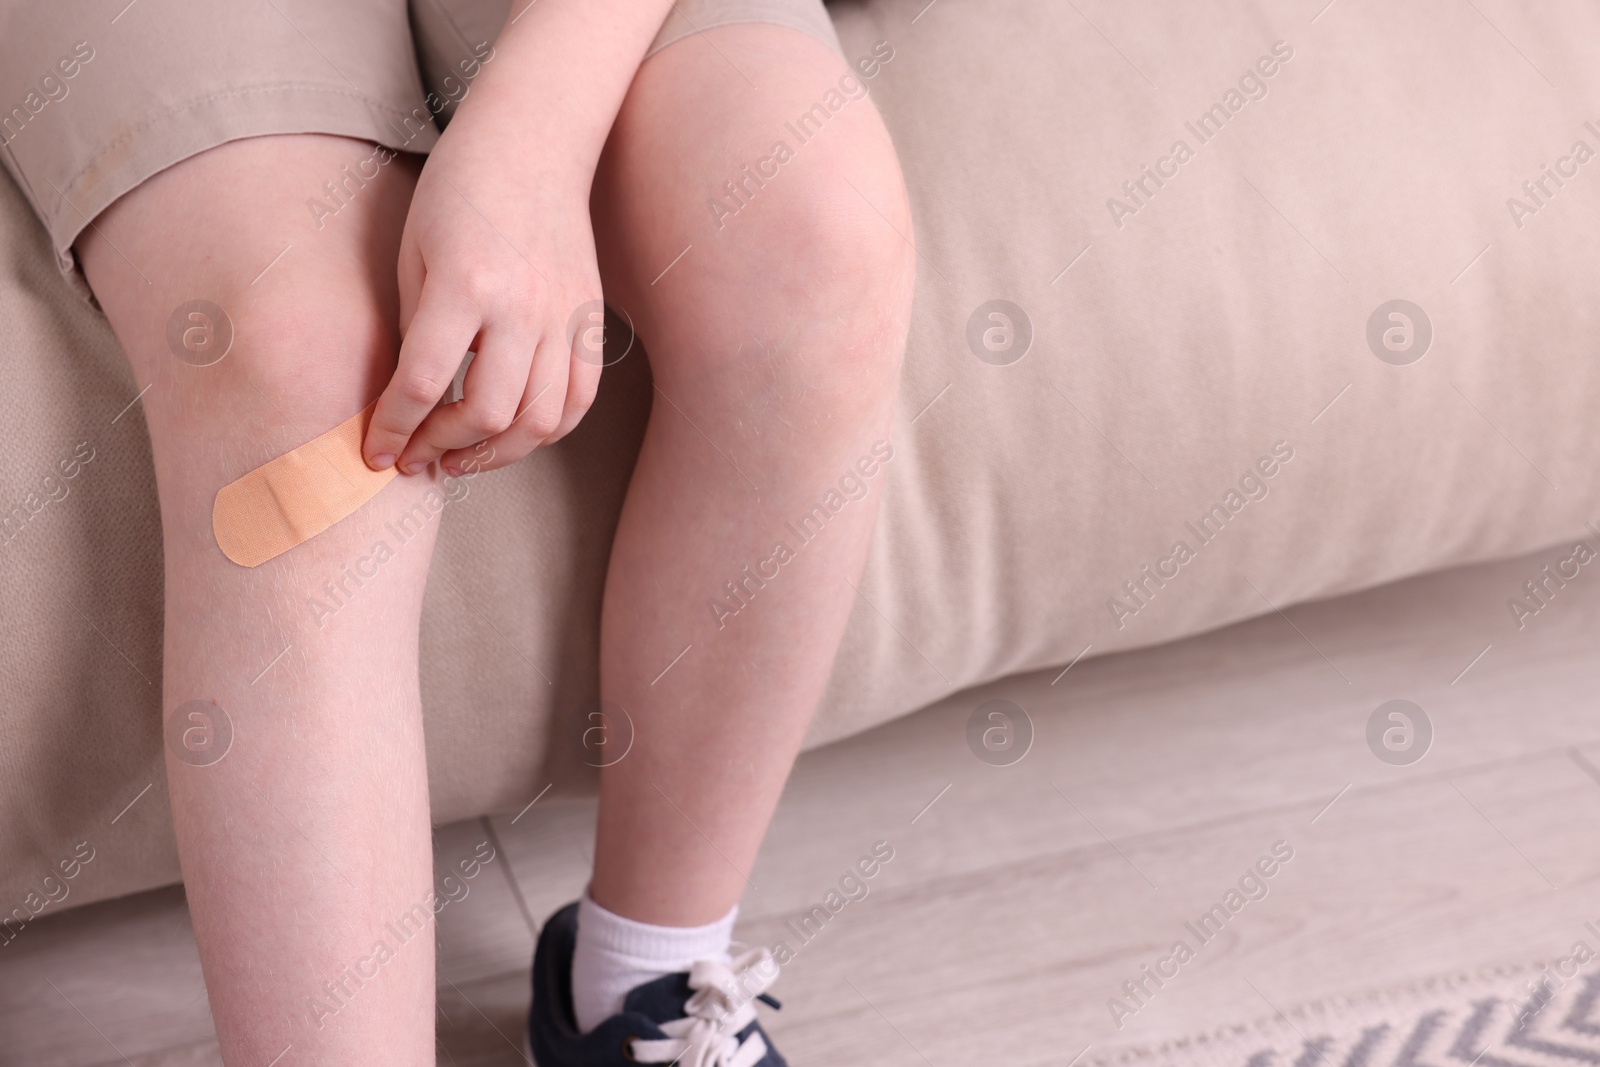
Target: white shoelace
{"x":723,"y":1003}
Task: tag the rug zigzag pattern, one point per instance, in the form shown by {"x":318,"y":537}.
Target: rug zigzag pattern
{"x":1489,"y":1031}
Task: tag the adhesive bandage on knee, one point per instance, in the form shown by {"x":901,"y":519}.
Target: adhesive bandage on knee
{"x":293,"y":498}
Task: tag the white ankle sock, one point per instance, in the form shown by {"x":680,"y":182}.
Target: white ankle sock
{"x":614,"y":954}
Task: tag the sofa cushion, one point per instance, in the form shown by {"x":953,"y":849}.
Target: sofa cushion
{"x":1157,"y":381}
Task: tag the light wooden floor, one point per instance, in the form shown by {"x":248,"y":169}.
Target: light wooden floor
{"x":1024,"y":896}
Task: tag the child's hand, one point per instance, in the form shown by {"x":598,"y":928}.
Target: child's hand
{"x":496,"y":257}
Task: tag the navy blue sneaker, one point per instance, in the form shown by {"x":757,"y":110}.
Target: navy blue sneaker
{"x":705,"y":1017}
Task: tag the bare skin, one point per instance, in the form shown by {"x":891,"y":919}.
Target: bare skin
{"x":775,"y":345}
{"x":312,"y":832}
{"x":778,"y":337}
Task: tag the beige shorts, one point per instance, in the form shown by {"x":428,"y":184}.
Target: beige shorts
{"x":95,"y":98}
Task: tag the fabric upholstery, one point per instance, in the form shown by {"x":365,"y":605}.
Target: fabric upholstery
{"x":1212,"y":328}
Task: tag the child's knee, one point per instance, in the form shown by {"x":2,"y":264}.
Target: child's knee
{"x":304,"y":359}
{"x":807,"y":307}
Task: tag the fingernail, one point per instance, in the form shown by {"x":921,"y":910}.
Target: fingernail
{"x":453,"y":471}
{"x":413,"y":467}
{"x":383,"y":462}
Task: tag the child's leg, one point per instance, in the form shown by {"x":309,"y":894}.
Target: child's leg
{"x":307,"y":846}
{"x":775,"y":342}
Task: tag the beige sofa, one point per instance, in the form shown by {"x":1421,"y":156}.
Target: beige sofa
{"x":1197,"y":349}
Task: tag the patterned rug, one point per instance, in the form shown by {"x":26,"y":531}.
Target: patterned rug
{"x":1505,"y":1017}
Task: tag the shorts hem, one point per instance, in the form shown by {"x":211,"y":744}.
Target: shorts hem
{"x":120,"y":166}
{"x":678,"y":26}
